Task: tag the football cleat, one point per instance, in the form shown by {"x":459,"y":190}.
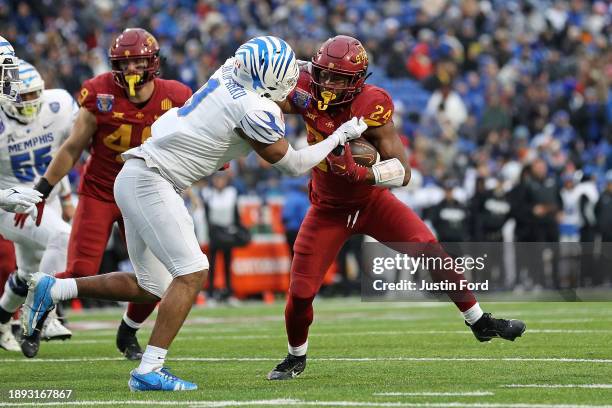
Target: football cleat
{"x":7,"y":339}
{"x":289,"y":368}
{"x":53,"y":329}
{"x":127,"y":343}
{"x":488,"y":327}
{"x":159,"y":380}
{"x":37,"y":303}
{"x":30,"y":344}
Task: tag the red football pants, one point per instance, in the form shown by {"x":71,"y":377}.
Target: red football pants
{"x":324,"y":231}
{"x":8,"y":264}
{"x":91,"y":228}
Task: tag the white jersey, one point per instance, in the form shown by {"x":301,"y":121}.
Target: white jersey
{"x":27,"y":149}
{"x":194,"y":141}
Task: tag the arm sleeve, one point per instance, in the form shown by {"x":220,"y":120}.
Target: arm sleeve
{"x":263,"y":126}
{"x":296,"y":162}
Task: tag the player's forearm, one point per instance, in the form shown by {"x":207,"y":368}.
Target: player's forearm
{"x":61,"y":164}
{"x":297,"y":162}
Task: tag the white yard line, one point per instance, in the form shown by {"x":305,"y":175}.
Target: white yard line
{"x":603,"y":386}
{"x":111,"y":335}
{"x":348,"y":359}
{"x":292,"y":402}
{"x":435,"y":394}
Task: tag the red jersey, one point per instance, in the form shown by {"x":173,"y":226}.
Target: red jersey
{"x":373,"y":104}
{"x":121,"y":126}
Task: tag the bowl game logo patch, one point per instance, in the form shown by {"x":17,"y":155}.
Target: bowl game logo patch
{"x":105,"y":102}
{"x":301,"y":99}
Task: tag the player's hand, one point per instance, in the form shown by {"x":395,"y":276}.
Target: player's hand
{"x":349,"y":130}
{"x":68,"y":212}
{"x":35,"y":212}
{"x":304,"y":65}
{"x":344,"y":165}
{"x":19,"y":199}
{"x":44,"y":189}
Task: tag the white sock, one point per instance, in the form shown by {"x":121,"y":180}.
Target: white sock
{"x":64,"y":289}
{"x":134,"y":325}
{"x":473,"y":314}
{"x":299,"y":350}
{"x":152,"y":359}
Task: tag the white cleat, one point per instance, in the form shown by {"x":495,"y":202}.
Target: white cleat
{"x":53,"y":329}
{"x":7,"y":339}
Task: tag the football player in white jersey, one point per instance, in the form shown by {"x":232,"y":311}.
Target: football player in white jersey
{"x":16,"y":199}
{"x":233,"y":113}
{"x":31,"y":129}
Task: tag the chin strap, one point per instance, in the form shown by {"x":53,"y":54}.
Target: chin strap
{"x":389,"y":173}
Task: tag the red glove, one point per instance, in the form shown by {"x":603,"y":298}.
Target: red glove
{"x":45,"y":188}
{"x":224,"y":167}
{"x":344,"y":165}
{"x":20,"y":218}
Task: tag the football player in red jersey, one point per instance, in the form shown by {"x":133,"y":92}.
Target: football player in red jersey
{"x":347,"y":198}
{"x":116,"y":114}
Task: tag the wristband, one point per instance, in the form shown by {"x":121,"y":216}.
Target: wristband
{"x":44,"y":187}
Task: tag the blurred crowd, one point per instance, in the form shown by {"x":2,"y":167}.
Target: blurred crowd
{"x":504,"y":106}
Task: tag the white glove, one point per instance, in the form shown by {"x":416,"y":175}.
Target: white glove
{"x":20,"y":200}
{"x":304,"y":66}
{"x":349,"y":130}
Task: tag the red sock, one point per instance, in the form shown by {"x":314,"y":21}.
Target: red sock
{"x":138,"y":312}
{"x":298,"y":317}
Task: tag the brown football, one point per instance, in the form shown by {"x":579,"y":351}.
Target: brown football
{"x":364,"y":153}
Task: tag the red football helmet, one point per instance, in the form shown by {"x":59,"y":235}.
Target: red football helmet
{"x":339,"y":71}
{"x":134,"y":43}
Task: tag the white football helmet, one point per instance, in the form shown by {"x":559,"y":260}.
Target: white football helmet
{"x":267,"y":66}
{"x":27,"y":107}
{"x":9,"y":73}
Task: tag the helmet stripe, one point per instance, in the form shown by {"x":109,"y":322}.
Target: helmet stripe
{"x":291,"y":56}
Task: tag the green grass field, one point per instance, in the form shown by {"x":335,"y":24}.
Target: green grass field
{"x":361,"y":354}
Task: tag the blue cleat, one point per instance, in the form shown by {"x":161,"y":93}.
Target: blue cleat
{"x":37,"y":303}
{"x":158,"y":380}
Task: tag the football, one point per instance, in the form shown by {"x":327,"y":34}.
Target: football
{"x":364,"y":153}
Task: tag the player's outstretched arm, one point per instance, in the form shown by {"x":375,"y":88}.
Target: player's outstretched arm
{"x":297,"y":162}
{"x":63,"y":160}
{"x":70,"y":151}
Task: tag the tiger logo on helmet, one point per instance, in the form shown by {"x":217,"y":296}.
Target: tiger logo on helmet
{"x":138,"y":45}
{"x":9,"y":72}
{"x":267,"y":66}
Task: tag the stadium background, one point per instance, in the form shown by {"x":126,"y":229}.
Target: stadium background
{"x":481,"y":89}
